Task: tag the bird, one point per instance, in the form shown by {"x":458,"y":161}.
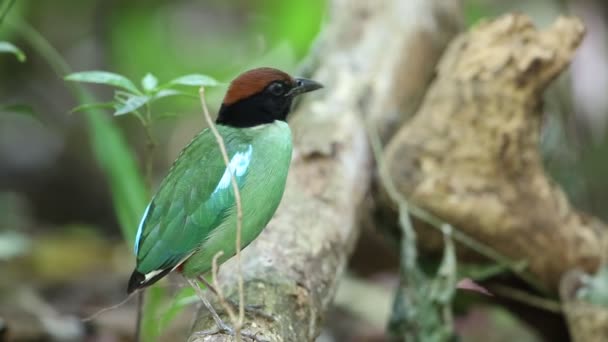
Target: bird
{"x":193,"y":215}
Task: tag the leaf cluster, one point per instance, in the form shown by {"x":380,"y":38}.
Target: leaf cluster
{"x":130,"y":99}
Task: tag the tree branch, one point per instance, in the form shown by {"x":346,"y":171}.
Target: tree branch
{"x":470,"y":155}
{"x":292,"y":269}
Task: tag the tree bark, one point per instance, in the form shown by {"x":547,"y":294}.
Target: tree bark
{"x":470,"y":155}
{"x":587,"y":322}
{"x":375,"y":60}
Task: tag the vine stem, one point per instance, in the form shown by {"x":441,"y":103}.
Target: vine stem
{"x":237,"y":322}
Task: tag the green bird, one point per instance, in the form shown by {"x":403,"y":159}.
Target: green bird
{"x":193,"y":214}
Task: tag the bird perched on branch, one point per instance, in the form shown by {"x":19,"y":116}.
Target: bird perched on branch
{"x":193,"y":215}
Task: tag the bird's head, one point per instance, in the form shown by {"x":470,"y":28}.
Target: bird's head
{"x":261,"y":96}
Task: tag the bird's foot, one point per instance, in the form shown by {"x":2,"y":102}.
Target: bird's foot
{"x":252,"y":309}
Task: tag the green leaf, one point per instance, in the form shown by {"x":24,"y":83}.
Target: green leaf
{"x":132,"y":103}
{"x":103,"y":77}
{"x":172,"y":92}
{"x":169,"y":92}
{"x":87,"y":106}
{"x":195,"y":80}
{"x":6,"y":47}
{"x":149,"y":82}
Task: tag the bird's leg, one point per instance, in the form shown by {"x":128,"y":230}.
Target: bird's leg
{"x":254,"y":309}
{"x":221,"y":327}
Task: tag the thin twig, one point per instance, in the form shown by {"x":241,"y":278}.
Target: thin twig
{"x":106,"y":309}
{"x":239,"y":219}
{"x":527,"y":298}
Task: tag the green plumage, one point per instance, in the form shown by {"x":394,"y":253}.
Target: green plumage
{"x":193,"y":214}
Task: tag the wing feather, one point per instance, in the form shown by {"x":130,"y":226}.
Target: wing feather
{"x":191,"y":202}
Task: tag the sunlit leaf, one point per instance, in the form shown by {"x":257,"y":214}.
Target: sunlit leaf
{"x":195,"y":80}
{"x":87,"y":106}
{"x":149,"y":82}
{"x":133,"y":103}
{"x":6,"y":47}
{"x":103,"y":77}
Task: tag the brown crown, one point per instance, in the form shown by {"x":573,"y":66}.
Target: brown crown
{"x":252,"y":82}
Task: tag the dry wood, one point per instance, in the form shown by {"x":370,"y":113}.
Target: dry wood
{"x":586,"y":322}
{"x":470,"y":155}
{"x":365,"y":63}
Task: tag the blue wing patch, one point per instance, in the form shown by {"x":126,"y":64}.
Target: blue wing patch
{"x":140,"y":229}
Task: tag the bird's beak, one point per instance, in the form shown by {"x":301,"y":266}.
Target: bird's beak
{"x":304,"y":85}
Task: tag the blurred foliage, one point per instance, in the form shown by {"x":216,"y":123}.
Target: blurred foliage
{"x":474,"y":11}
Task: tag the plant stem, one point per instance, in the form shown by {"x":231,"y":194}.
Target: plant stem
{"x":139,"y":314}
{"x":529,"y":299}
{"x":239,"y":220}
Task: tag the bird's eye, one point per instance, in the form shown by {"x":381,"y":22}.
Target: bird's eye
{"x":277,"y":89}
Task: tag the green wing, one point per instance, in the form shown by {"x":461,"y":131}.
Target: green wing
{"x":192,"y":200}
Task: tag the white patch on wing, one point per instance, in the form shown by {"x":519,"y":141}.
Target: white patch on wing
{"x":150,"y":275}
{"x":238,"y":166}
{"x":140,"y":230}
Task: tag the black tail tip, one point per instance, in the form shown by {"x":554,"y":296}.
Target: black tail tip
{"x":135,"y":282}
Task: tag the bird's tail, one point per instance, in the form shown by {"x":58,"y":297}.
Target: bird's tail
{"x":139,"y":280}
